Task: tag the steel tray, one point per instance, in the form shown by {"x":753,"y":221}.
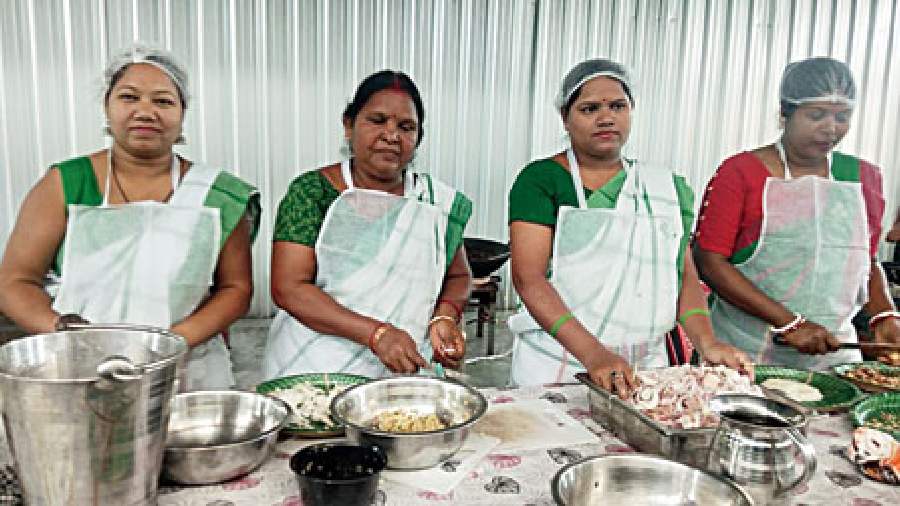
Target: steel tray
{"x":687,"y":446}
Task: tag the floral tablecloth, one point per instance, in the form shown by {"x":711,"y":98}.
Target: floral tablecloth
{"x":524,"y":477}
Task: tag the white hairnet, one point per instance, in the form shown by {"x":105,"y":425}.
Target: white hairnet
{"x":159,"y":58}
{"x":817,"y":80}
{"x":587,"y":70}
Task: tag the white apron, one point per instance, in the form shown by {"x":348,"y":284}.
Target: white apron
{"x":616,"y":271}
{"x":381,"y":256}
{"x":812,"y":257}
{"x":148,"y":263}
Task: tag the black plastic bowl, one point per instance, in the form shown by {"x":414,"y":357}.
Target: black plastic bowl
{"x":332,"y":473}
{"x":485,"y":256}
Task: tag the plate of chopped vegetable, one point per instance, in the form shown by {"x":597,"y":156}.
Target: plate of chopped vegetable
{"x":871,"y":376}
{"x":309,"y":396}
{"x":881,"y":412}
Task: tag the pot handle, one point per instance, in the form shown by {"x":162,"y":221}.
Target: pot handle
{"x":118,"y":369}
{"x":809,"y":455}
{"x":72,"y":321}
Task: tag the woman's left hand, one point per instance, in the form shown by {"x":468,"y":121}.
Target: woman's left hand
{"x":448,"y":342}
{"x":888,"y":331}
{"x":719,"y":353}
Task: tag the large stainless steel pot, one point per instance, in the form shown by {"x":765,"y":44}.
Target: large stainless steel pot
{"x":86,"y":412}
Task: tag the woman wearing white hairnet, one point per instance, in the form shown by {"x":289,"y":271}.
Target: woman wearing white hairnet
{"x":788,"y":232}
{"x":135,"y":233}
{"x":613,"y":233}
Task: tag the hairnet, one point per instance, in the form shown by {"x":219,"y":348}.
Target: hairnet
{"x":159,"y":58}
{"x":817,"y":80}
{"x":587,"y":70}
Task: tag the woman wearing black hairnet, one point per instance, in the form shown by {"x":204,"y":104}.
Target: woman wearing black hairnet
{"x":788,"y":232}
{"x":368,"y":262}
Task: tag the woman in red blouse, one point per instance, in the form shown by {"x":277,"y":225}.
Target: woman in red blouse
{"x":788,"y":232}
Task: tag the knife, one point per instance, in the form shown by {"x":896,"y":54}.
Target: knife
{"x":865,"y":345}
{"x":871,"y":346}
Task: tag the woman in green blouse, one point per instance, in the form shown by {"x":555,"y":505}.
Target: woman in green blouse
{"x":368,"y":265}
{"x":136,"y":233}
{"x":614,"y":234}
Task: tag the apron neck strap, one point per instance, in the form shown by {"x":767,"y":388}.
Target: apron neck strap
{"x":175,"y":174}
{"x":576,"y":178}
{"x":409,"y":183}
{"x":779,"y":146}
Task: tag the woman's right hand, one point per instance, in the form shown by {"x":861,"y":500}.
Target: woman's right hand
{"x":63,"y":321}
{"x":398,"y":351}
{"x":812,"y":338}
{"x":611,"y":372}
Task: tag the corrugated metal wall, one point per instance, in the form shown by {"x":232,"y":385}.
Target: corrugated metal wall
{"x":270,"y":79}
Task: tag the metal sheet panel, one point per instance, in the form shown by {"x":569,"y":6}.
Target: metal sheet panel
{"x":270,"y":79}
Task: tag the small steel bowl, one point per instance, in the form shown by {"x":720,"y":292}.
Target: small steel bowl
{"x":218,"y":436}
{"x":641,"y":479}
{"x":455,"y":403}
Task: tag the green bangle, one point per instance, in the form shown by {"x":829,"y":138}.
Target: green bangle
{"x":691,"y":312}
{"x":559,"y":323}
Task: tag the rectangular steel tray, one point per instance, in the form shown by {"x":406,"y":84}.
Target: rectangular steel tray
{"x":688,"y":446}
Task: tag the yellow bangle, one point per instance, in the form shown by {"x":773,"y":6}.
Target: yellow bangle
{"x":376,"y":335}
{"x":441,"y":317}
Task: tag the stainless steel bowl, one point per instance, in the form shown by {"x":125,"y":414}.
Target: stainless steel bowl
{"x":641,"y":479}
{"x":218,"y":436}
{"x":457,"y":404}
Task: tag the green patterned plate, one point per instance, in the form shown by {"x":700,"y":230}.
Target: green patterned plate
{"x":844,"y":369}
{"x":837,"y":394}
{"x":874,"y":407}
{"x":318,"y":380}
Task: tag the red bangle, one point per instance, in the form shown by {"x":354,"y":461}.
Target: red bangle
{"x":456,"y":307}
{"x":376,"y":334}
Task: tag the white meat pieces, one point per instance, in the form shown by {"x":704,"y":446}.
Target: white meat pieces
{"x":877,"y":453}
{"x":679,"y":396}
{"x":310,"y":403}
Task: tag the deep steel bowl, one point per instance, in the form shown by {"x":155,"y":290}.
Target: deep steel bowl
{"x":641,"y":479}
{"x":455,"y":403}
{"x":219,"y":436}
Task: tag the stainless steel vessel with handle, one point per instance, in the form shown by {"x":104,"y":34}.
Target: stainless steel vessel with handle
{"x":86,"y":412}
{"x":759,"y":446}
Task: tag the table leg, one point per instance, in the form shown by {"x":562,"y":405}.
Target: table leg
{"x":492,"y":322}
